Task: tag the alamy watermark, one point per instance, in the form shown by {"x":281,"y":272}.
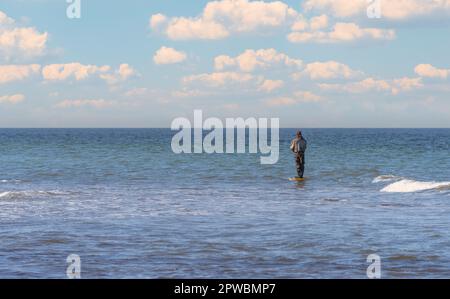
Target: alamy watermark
{"x":374,"y":269}
{"x":374,"y":9}
{"x":73,"y":271}
{"x":213,"y":142}
{"x":73,"y":10}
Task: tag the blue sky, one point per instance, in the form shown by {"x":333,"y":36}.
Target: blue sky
{"x":313,"y":63}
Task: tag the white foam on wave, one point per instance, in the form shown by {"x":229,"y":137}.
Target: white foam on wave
{"x":405,"y":186}
{"x":386,"y":178}
{"x":9,"y":181}
{"x":4,"y":194}
{"x":30,"y":193}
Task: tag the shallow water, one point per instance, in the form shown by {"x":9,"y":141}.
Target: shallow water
{"x":130,"y":208}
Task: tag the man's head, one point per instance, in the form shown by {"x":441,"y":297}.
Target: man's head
{"x":299,"y":134}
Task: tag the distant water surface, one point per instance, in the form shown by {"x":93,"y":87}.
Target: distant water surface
{"x":131,"y":208}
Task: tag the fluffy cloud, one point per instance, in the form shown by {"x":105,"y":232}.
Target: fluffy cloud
{"x":59,"y":72}
{"x":11,"y":99}
{"x":340,"y":8}
{"x":395,"y":10}
{"x":271,"y":85}
{"x":16,"y":41}
{"x":298,"y":97}
{"x":370,"y":84}
{"x":9,"y":73}
{"x":405,"y":84}
{"x":124,"y":72}
{"x":427,"y":70}
{"x":189,"y":28}
{"x":319,"y":22}
{"x":221,"y":18}
{"x":245,"y":16}
{"x":218,"y":79}
{"x":157,"y":20}
{"x":167,"y":55}
{"x":96,"y":103}
{"x":341,"y":32}
{"x":329,"y":70}
{"x":78,"y":71}
{"x":251,"y":60}
{"x":5,"y":20}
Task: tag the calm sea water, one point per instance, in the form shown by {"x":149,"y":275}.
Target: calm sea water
{"x":130,"y":208}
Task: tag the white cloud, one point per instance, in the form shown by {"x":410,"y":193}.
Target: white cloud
{"x":339,"y":8}
{"x":370,"y":84}
{"x":271,"y":85}
{"x":59,"y":72}
{"x":9,"y":73}
{"x":96,"y":103}
{"x":351,"y":31}
{"x":11,"y":99}
{"x":427,"y":70}
{"x":157,"y":20}
{"x":167,"y":55}
{"x":358,"y":87}
{"x":341,"y":32}
{"x":189,"y":28}
{"x":329,"y":70}
{"x":218,"y":78}
{"x":221,"y":18}
{"x":124,"y":72}
{"x":5,"y":20}
{"x":250,"y":60}
{"x":78,"y":71}
{"x":392,"y":9}
{"x":406,"y":84}
{"x":18,"y":42}
{"x":319,"y":22}
{"x":246,"y":16}
{"x":300,"y":25}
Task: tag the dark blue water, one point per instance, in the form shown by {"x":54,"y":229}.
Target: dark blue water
{"x":130,"y":208}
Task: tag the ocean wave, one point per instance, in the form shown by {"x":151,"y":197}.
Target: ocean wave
{"x":9,"y":181}
{"x":26,"y":194}
{"x":386,"y":178}
{"x":406,"y":186}
{"x":4,"y":194}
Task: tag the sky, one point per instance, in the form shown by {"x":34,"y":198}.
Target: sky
{"x":311,"y":63}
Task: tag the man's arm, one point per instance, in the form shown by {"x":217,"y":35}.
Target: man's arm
{"x":293,"y":146}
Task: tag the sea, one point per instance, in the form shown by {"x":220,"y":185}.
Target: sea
{"x":129,"y":207}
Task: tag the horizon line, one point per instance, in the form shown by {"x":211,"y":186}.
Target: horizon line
{"x":146,"y":128}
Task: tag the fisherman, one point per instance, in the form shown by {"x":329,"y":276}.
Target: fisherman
{"x":298,"y":147}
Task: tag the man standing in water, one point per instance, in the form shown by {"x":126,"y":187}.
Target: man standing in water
{"x":298,"y":147}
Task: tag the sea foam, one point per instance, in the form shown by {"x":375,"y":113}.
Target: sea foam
{"x":405,"y":186}
{"x":386,"y":178}
{"x":30,"y":193}
{"x":4,"y":194}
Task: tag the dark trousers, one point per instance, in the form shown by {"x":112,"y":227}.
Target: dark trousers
{"x":300,"y":163}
